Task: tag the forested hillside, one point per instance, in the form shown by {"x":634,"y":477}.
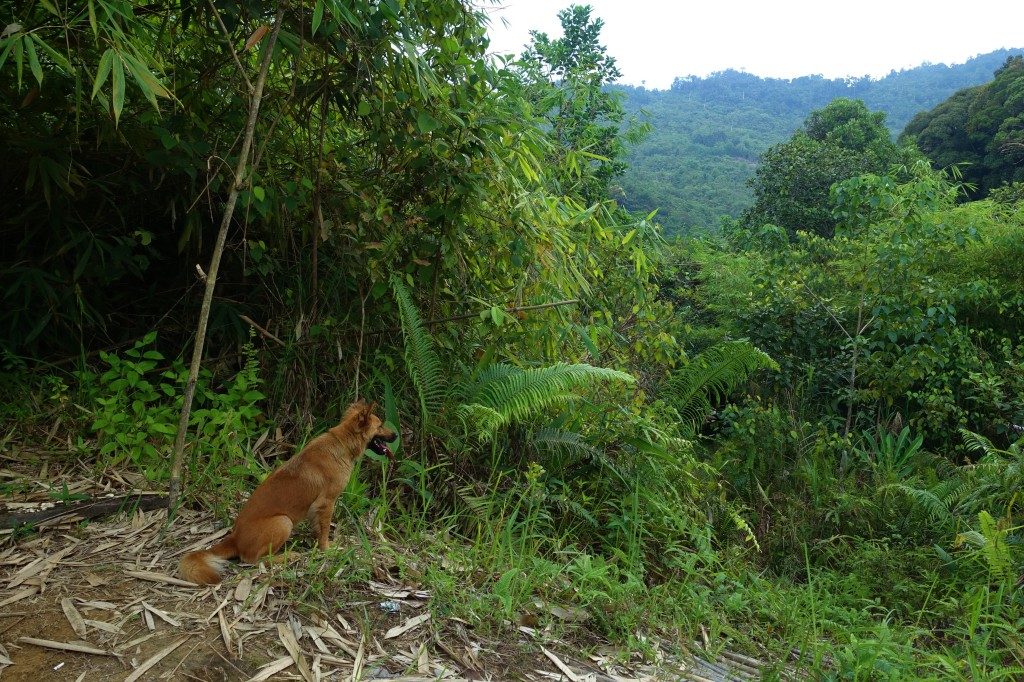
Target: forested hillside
{"x":708,"y":133}
{"x":980,"y":127}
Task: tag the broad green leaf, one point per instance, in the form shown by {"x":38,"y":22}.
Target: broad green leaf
{"x":364,"y":108}
{"x":426,"y":122}
{"x":259,"y":193}
{"x":497,"y":315}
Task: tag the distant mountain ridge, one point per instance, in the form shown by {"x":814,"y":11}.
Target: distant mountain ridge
{"x":709,"y":132}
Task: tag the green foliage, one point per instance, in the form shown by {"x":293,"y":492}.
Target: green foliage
{"x":135,"y":419}
{"x":400,"y":170}
{"x":891,"y":302}
{"x":892,"y":457}
{"x":848,"y":462}
{"x":981,"y":127}
{"x":710,"y":377}
{"x":135,"y":408}
{"x":990,"y":541}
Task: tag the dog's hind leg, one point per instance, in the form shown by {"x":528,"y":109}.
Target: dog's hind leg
{"x":264,"y":537}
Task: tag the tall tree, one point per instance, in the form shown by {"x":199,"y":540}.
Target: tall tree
{"x":567,"y":77}
{"x":841,"y":140}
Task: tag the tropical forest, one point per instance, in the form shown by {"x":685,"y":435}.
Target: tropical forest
{"x":335,"y":345}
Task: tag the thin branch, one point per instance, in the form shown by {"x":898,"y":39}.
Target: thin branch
{"x":827,"y":310}
{"x":467,"y":316}
{"x":362,"y":329}
{"x":266,"y":334}
{"x":227,"y":40}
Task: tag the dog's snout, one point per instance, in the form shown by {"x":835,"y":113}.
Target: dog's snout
{"x":388,"y":436}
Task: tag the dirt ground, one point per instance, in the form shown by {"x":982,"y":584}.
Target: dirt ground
{"x":100,"y":601}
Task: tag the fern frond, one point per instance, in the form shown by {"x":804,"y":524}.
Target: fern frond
{"x":572,"y":448}
{"x":928,"y":500}
{"x":993,"y":546}
{"x":505,"y":394}
{"x":421,"y":359}
{"x":567,"y":444}
{"x":485,"y":377}
{"x":567,"y":505}
{"x":978,"y":443}
{"x":483,"y":419}
{"x":711,"y":376}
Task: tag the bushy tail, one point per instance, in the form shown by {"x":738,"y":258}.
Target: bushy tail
{"x":204,"y":567}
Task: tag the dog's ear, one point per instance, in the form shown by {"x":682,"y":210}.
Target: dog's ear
{"x":365,"y":413}
{"x":372,"y":407}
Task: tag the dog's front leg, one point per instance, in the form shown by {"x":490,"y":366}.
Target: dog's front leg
{"x":324,"y":511}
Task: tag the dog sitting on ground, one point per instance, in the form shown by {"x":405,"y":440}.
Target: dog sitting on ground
{"x":305,"y":486}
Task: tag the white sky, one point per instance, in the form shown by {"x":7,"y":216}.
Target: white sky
{"x":657,"y":40}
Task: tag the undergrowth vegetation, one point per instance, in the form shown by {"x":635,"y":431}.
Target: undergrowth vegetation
{"x":805,"y":444}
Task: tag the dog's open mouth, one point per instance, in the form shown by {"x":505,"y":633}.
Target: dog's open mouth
{"x":380,"y":446}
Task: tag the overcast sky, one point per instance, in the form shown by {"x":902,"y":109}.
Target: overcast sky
{"x":657,"y":40}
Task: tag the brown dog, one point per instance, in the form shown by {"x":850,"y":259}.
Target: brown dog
{"x":305,"y":486}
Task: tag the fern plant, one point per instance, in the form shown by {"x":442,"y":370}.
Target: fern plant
{"x":503,"y":394}
{"x":990,"y":540}
{"x":496,"y":396}
{"x":421,"y":359}
{"x":996,"y":479}
{"x":710,"y":377}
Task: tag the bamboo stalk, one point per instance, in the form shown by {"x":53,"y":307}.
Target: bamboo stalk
{"x":174,"y":489}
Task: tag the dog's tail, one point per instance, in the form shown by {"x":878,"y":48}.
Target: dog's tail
{"x":204,"y":567}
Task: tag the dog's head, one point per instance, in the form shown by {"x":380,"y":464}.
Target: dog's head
{"x":371,"y":428}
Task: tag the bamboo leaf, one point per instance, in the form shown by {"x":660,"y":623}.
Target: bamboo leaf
{"x":256,"y":37}
{"x":318,"y":15}
{"x":102,"y":71}
{"x":19,"y":58}
{"x":92,"y":20}
{"x":6,"y":52}
{"x":33,"y":61}
{"x":117,"y":92}
{"x":147,"y":82}
{"x":57,"y":57}
{"x":49,"y":6}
